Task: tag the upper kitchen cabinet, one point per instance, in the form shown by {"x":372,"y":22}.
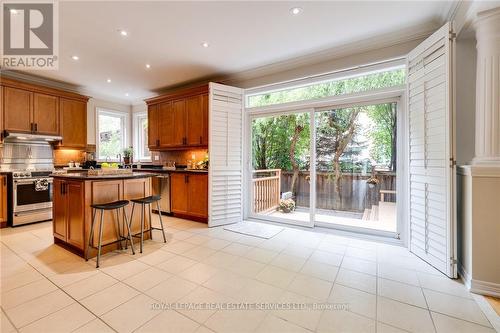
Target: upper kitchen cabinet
{"x":35,"y":109}
{"x":182,"y":121}
{"x":73,"y":114}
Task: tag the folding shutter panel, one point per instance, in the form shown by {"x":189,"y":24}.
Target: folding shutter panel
{"x":225,"y":151}
{"x":431,"y":157}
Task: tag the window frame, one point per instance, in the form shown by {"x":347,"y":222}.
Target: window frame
{"x":137,"y":137}
{"x":124,"y":116}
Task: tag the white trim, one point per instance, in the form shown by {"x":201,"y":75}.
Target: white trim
{"x":488,"y":311}
{"x":126,"y":120}
{"x":136,"y":135}
{"x":478,"y":286}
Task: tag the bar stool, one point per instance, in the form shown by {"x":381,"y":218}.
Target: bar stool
{"x":143,"y":202}
{"x":115,"y":205}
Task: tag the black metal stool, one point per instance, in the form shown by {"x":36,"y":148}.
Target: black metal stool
{"x":143,"y":202}
{"x":115,"y":205}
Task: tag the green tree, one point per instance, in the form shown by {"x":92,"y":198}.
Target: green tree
{"x":383,"y":134}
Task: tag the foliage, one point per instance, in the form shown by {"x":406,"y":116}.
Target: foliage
{"x":287,"y":205}
{"x":383,"y":134}
{"x":128,"y":152}
{"x":110,"y":136}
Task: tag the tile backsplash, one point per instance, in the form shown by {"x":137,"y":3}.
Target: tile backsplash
{"x":180,"y":157}
{"x":64,"y":156}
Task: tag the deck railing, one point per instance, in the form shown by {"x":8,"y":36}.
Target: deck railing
{"x":266,"y":190}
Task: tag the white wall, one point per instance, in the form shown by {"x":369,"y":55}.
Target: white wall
{"x":95,"y":103}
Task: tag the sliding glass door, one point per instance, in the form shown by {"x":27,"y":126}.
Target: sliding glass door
{"x":332,"y":167}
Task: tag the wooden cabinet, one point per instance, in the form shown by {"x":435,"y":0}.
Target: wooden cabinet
{"x":73,"y":115}
{"x":45,"y":114}
{"x":68,"y":215}
{"x":17,"y":110}
{"x":59,"y":208}
{"x":179,"y":120}
{"x":4,"y":217}
{"x":189,"y":194}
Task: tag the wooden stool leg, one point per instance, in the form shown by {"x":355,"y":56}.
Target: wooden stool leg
{"x":100,"y":239}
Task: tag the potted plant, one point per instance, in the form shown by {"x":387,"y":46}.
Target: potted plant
{"x":127,"y":155}
{"x":287,"y":205}
{"x":372,"y":182}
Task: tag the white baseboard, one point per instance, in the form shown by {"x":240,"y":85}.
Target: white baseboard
{"x":478,"y":286}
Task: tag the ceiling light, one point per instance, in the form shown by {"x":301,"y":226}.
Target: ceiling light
{"x":205,"y":44}
{"x":296,"y":10}
{"x":124,"y":33}
{"x":148,"y":66}
{"x":108,"y":80}
{"x":126,"y":94}
{"x":75,"y":57}
{"x":14,"y":11}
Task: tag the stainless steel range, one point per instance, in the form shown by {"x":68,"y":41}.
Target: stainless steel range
{"x":29,"y":163}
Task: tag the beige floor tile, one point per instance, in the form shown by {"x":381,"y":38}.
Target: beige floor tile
{"x":235,"y":321}
{"x":125,"y":270}
{"x":311,"y":287}
{"x":147,"y":279}
{"x":445,"y":324}
{"x":288,"y":262}
{"x":276,"y":276}
{"x":401,"y":315}
{"x":361,"y":253}
{"x":176,"y":264}
{"x":340,"y":321}
{"x":360,"y":265}
{"x":5,"y":324}
{"x":332,"y":246}
{"x":320,"y":270}
{"x":65,"y":320}
{"x":273,"y":324}
{"x":199,"y":253}
{"x":357,"y":280}
{"x":384,"y":328}
{"x":237,"y":249}
{"x":131,"y":314}
{"x":178,"y":246}
{"x":259,"y":292}
{"x":198,"y":273}
{"x":15,"y":297}
{"x":306,"y":316}
{"x":466,"y":309}
{"x":246,"y":267}
{"x":156,"y":257}
{"x":221,"y":260}
{"x":298,"y":251}
{"x":66,"y":278}
{"x":197,"y":239}
{"x":198,"y":299}
{"x":401,"y":292}
{"x":391,"y":272}
{"x":171,"y":290}
{"x":358,"y":301}
{"x":169,"y":322}
{"x":94,"y":326}
{"x":261,"y":255}
{"x":37,"y":308}
{"x":203,"y":329}
{"x":217,"y":244}
{"x":89,"y":286}
{"x":18,"y":280}
{"x":326,"y":257}
{"x":443,"y":284}
{"x":109,"y":298}
{"x":226,"y":282}
{"x":250,"y":240}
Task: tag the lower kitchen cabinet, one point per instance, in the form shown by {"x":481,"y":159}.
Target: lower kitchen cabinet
{"x":69,"y":212}
{"x":189,"y":192}
{"x":3,"y":201}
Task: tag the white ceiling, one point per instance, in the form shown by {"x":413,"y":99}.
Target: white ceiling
{"x":242,"y":36}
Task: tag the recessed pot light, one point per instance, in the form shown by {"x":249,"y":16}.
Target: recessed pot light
{"x":108,"y":80}
{"x":296,"y":10}
{"x":205,"y":44}
{"x":75,"y":57}
{"x":148,"y":66}
{"x":126,"y":94}
{"x":124,"y":33}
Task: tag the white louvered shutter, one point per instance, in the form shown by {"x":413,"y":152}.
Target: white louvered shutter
{"x":431,"y":151}
{"x":226,"y":154}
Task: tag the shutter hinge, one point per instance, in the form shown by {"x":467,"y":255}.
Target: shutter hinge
{"x":453,"y":162}
{"x":452,"y":36}
{"x":398,"y":236}
{"x":453,"y":261}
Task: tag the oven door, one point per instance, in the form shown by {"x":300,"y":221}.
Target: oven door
{"x":30,"y":205}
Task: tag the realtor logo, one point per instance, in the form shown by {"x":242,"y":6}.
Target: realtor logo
{"x":29,"y":35}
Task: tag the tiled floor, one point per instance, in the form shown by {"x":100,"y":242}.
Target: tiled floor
{"x":375,"y":287}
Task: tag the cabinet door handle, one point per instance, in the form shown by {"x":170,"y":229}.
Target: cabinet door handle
{"x":36,"y":127}
{"x":31,"y":127}
{"x":201,"y":139}
{"x":5,"y":181}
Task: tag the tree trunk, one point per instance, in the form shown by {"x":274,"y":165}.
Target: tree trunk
{"x":295,"y":166}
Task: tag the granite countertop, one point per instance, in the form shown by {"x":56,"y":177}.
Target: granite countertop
{"x":85,"y":176}
{"x":158,"y":170}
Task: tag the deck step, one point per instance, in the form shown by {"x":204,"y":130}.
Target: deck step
{"x":374,"y":213}
{"x":366,"y":214}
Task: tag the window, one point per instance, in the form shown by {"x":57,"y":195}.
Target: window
{"x":339,"y":86}
{"x":111,"y":134}
{"x":141,"y":150}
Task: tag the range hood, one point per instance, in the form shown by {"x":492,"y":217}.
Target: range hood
{"x":23,"y":137}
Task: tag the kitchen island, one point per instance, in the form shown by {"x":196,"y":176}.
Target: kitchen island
{"x":73,"y":193}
